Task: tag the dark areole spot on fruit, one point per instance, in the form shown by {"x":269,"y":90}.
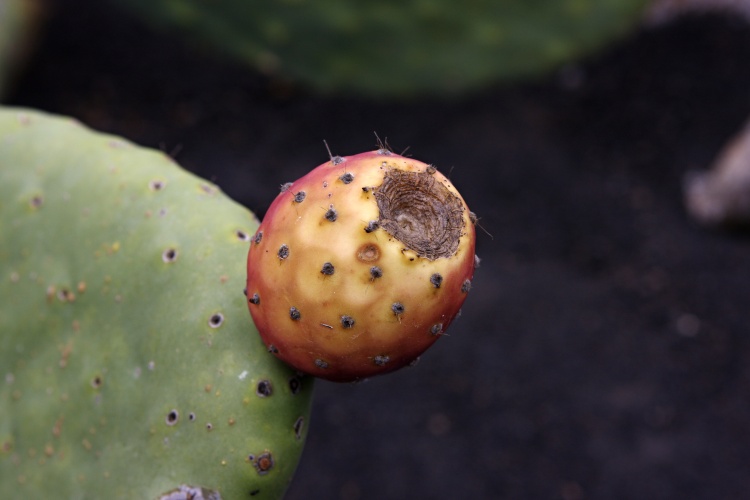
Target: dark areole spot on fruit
{"x":264,"y":389}
{"x":347,"y":178}
{"x":255,"y":299}
{"x":436,"y":280}
{"x":397,"y":308}
{"x":436,"y":329}
{"x":420,"y":212}
{"x":337,"y":160}
{"x":321,"y":364}
{"x":331,"y":214}
{"x":273,"y":349}
{"x":372,"y":226}
{"x":381,"y":360}
{"x":347,"y":321}
{"x":294,"y":313}
{"x":283,"y":252}
{"x":299,"y":197}
{"x":466,"y":286}
{"x":258,"y":237}
{"x":376,"y":272}
{"x":368,"y":252}
{"x":285,"y":187}
{"x":327,"y":269}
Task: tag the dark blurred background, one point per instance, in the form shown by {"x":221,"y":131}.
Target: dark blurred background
{"x":603,"y":351}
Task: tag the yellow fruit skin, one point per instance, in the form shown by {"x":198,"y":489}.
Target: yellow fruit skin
{"x":303,"y":308}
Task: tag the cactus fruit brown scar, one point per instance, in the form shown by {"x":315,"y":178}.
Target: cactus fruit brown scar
{"x":420,"y":212}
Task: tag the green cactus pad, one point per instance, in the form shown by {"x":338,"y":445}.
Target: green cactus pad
{"x":392,"y":47}
{"x":129,"y":365}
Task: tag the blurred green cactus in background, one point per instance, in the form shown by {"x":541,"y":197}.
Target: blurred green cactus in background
{"x":396,"y":48}
{"x":130,"y":365}
{"x":18,"y":20}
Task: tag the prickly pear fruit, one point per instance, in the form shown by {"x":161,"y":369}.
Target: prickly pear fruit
{"x":360,"y":265}
{"x":129,"y":366}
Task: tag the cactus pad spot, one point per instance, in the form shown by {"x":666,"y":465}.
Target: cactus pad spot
{"x":466,"y":286}
{"x":258,"y":237}
{"x":216,"y":320}
{"x":295,"y":385}
{"x":299,"y":197}
{"x":263,"y":463}
{"x":191,"y":417}
{"x":397,"y":308}
{"x":255,"y":299}
{"x":264,"y":389}
{"x":321,"y":364}
{"x":436,"y":329}
{"x":368,"y":252}
{"x":209,"y":426}
{"x":242,"y":235}
{"x":327,"y":269}
{"x":172,"y":417}
{"x":185,"y":492}
{"x":347,"y":178}
{"x":436,"y":280}
{"x":420,"y":212}
{"x":169,"y":255}
{"x":36,"y":201}
{"x":298,"y":426}
{"x":207,"y":188}
{"x":156,"y":185}
{"x":65,"y":295}
{"x":283,"y":252}
{"x":376,"y":272}
{"x":97,"y":382}
{"x":381,"y":360}
{"x":294,"y":313}
{"x":331,"y":214}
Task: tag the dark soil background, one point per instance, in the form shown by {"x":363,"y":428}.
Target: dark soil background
{"x":604,"y":348}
